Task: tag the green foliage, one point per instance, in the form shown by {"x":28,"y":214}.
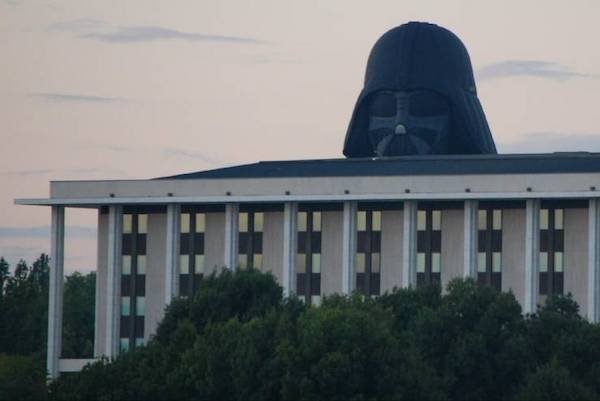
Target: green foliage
{"x":78,"y":315}
{"x":237,"y":338}
{"x":554,"y":382}
{"x":23,"y":325}
{"x":21,"y":378}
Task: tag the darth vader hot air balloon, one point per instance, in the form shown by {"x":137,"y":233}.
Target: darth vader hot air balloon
{"x":419,"y":98}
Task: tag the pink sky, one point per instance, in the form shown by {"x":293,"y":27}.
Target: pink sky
{"x":101,"y":89}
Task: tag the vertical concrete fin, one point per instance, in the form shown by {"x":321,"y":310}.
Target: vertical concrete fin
{"x":409,"y":245}
{"x":349,"y":247}
{"x":532,"y":254}
{"x":115,"y":226}
{"x":470,"y":238}
{"x":172,"y":253}
{"x":231,"y":235}
{"x":593,"y":307}
{"x":55,"y":293}
{"x":290,"y":217}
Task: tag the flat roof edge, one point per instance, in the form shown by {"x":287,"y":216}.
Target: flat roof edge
{"x":303,"y":198}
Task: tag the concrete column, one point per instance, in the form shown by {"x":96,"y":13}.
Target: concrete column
{"x":290,"y":218}
{"x":349,"y":247}
{"x":113,"y":291}
{"x":593,"y":303}
{"x":172,"y":253}
{"x":532,"y":254}
{"x":470,"y":238}
{"x":55,"y":298}
{"x":409,"y":245}
{"x":231,"y":235}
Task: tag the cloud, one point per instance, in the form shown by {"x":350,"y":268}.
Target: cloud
{"x":175,"y":152}
{"x":82,"y":26}
{"x":530,"y":68}
{"x":38,"y":172}
{"x":44,"y":232}
{"x":89,"y":28}
{"x":25,"y":173}
{"x":110,"y":147}
{"x":548,"y":141}
{"x":75,"y":98}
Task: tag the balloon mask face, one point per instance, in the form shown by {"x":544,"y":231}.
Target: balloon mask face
{"x":408,"y":123}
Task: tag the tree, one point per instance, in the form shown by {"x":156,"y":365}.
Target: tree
{"x":78,"y":315}
{"x":21,"y":378}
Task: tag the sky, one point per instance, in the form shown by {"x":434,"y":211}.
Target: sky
{"x":102,"y":89}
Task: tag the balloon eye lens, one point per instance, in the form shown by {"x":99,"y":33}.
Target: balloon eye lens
{"x":382,"y":105}
{"x":427,"y":104}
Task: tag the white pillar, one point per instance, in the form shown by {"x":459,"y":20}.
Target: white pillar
{"x":172,"y":253}
{"x":349,"y":247}
{"x":231,"y":235}
{"x":409,"y":244}
{"x":470,"y":239}
{"x":113,"y":290}
{"x":532,"y":255}
{"x":55,"y":297}
{"x":593,"y":295}
{"x":290,"y":219}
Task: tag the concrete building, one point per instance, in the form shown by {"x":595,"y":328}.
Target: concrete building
{"x":525,"y":223}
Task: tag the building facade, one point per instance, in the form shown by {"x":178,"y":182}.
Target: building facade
{"x":522,"y":223}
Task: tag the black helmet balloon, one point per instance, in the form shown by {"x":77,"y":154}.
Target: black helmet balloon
{"x":419,"y":98}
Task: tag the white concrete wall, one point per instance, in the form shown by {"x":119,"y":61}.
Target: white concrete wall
{"x":513,"y":252}
{"x":391,"y":249}
{"x":452,"y":258}
{"x":575,"y":256}
{"x":331,"y":252}
{"x":214,"y":245}
{"x":273,"y":244}
{"x":156,"y":245}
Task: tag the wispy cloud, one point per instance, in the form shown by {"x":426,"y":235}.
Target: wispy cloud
{"x":44,"y":232}
{"x":75,"y":98}
{"x":109,"y":147}
{"x":88,"y":28}
{"x":176,"y":152}
{"x":152,"y":33}
{"x":81,"y":25}
{"x":531,"y":68}
{"x":544,"y":142}
{"x":38,"y":172}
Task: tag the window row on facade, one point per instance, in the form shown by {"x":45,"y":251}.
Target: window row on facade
{"x":311,"y":243}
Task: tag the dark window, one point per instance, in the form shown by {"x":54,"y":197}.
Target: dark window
{"x":192,"y":227}
{"x":368,"y":252}
{"x":250,"y":228}
{"x":552,"y":245}
{"x":429,"y":245}
{"x":308,"y":257}
{"x":489,"y":256}
{"x":133,"y":280}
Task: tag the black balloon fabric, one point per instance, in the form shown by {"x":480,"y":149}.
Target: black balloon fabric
{"x":419,"y":97}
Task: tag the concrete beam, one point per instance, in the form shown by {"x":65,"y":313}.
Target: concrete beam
{"x":470,"y":239}
{"x":593,"y":294}
{"x":113,"y":280}
{"x":172,"y":253}
{"x":409,"y":245}
{"x":290,"y":219}
{"x":231,"y":235}
{"x":532,"y":255}
{"x":74,"y":365}
{"x":349,"y":247}
{"x":55,"y":291}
